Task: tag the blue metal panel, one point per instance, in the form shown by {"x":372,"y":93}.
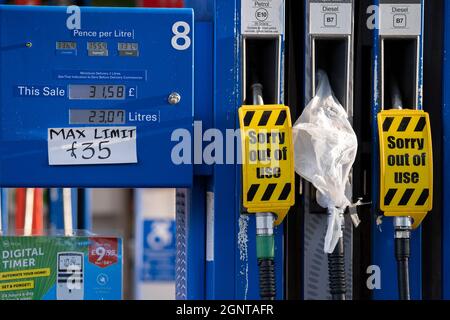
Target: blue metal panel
{"x":203,"y":100}
{"x":195,"y":241}
{"x":191,"y":220}
{"x":4,"y":208}
{"x":226,"y":101}
{"x":446,"y":150}
{"x":383,"y":237}
{"x":160,"y":70}
{"x":232,"y":271}
{"x":192,"y":267}
{"x":203,"y":9}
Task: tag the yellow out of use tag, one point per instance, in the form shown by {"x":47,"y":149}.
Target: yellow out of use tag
{"x":406,"y":164}
{"x":267,"y":159}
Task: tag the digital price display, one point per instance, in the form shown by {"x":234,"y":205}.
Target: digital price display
{"x":128,"y":46}
{"x":130,"y":49}
{"x":83,"y":116}
{"x":66,"y":45}
{"x":97,"y":46}
{"x":97,"y":49}
{"x":96,"y":92}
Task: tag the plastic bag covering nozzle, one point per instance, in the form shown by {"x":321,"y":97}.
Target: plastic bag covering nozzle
{"x":325,"y":149}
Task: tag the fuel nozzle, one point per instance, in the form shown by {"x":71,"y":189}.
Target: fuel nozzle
{"x":257,"y":91}
{"x":265,"y":251}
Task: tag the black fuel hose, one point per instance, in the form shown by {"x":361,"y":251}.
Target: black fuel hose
{"x":267,"y":284}
{"x":402,"y":254}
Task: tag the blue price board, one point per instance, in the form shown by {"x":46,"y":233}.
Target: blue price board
{"x":159,"y":250}
{"x":91,"y":97}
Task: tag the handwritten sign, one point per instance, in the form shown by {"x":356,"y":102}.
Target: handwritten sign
{"x":91,"y":145}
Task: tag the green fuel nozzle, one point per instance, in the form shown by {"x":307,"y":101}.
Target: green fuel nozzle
{"x":265,"y":251}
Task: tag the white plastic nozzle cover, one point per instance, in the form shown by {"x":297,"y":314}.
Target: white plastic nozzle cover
{"x":325,"y":149}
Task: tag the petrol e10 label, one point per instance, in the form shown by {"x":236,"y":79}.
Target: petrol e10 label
{"x":267,"y":154}
{"x":406,"y":163}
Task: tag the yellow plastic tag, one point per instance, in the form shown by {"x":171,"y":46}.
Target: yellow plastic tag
{"x":267,"y":159}
{"x":406,"y":164}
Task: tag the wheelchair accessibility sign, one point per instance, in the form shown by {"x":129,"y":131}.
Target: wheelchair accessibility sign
{"x":159,"y":250}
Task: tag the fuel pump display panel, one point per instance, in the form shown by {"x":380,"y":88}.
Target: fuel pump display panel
{"x":84,"y":96}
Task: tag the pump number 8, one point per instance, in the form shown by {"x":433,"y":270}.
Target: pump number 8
{"x":181,"y":31}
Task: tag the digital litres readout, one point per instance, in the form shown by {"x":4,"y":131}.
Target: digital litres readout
{"x":98,"y":92}
{"x":83,"y":116}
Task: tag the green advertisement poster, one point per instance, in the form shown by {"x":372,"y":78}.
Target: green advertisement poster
{"x":60,"y":268}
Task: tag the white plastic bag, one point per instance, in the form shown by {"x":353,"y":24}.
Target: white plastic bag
{"x":325,"y":149}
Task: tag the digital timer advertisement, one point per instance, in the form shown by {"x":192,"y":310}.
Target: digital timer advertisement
{"x":60,"y":268}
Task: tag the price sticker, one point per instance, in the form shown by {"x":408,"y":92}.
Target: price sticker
{"x":91,"y":145}
{"x":103,"y":252}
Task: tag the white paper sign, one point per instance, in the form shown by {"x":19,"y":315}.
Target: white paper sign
{"x":91,"y":145}
{"x":262,"y":17}
{"x":330,"y":17}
